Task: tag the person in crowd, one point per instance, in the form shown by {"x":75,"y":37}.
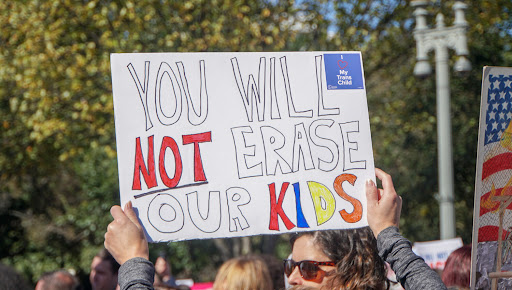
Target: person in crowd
{"x":57,"y":280}
{"x":336,"y":259}
{"x":245,"y":272}
{"x":276,"y":270}
{"x":163,"y":274}
{"x":104,"y":270}
{"x":162,"y":286}
{"x":10,"y":279}
{"x":126,"y":241}
{"x":457,"y":269}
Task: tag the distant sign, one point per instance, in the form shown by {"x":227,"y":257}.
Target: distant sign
{"x":236,"y":144}
{"x":435,"y":253}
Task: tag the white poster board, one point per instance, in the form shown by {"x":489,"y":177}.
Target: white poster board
{"x":492,"y":219}
{"x":435,"y":253}
{"x":236,"y":144}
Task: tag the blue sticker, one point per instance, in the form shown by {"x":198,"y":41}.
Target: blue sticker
{"x":343,"y":71}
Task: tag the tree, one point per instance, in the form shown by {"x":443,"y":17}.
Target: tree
{"x":402,"y":107}
{"x":57,"y":154}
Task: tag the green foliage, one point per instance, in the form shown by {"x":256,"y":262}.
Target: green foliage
{"x":403,"y":112}
{"x":403,"y":108}
{"x":58,"y":172}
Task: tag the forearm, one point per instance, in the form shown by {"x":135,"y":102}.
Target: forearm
{"x":410,"y":269}
{"x":136,"y":273}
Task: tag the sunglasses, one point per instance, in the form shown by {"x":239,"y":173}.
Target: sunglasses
{"x":309,"y":270}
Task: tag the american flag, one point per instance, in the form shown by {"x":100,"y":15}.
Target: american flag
{"x":497,"y":156}
{"x":499,"y":107}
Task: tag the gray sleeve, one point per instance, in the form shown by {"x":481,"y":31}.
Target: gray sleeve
{"x":410,"y":269}
{"x":136,"y":273}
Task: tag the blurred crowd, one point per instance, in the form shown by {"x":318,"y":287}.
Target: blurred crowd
{"x":245,"y":272}
{"x":374,"y":257}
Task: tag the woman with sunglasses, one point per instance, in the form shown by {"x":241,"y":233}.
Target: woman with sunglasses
{"x":353,"y":259}
{"x":336,"y":259}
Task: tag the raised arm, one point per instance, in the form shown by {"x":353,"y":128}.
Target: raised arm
{"x":126,"y":242}
{"x":384,"y":207}
{"x":124,"y":237}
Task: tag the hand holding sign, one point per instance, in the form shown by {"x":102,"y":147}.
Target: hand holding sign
{"x":384,"y":205}
{"x":125,"y":238}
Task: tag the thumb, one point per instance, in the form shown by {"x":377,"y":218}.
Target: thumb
{"x":372,"y":195}
{"x":130,"y":213}
{"x":117,"y":212}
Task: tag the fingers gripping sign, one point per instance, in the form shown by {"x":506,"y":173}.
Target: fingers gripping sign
{"x":384,"y":205}
{"x":125,"y":238}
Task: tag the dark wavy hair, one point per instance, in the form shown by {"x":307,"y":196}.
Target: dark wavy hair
{"x":358,"y":265}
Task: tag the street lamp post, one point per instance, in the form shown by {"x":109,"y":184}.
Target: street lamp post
{"x":440,"y":39}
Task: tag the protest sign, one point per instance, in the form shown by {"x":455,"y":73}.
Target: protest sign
{"x":492,"y":239}
{"x":236,"y":144}
{"x":435,"y":253}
